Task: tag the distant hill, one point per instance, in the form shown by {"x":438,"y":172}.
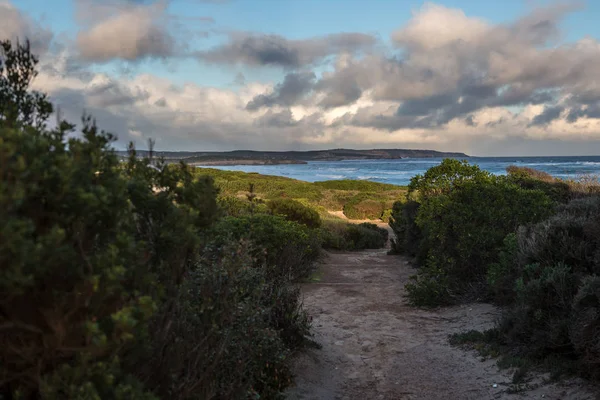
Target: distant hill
{"x":239,"y":157}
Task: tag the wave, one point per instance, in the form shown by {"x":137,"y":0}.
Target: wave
{"x":332,"y":176}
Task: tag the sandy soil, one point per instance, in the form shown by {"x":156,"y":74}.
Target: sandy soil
{"x":375,"y":346}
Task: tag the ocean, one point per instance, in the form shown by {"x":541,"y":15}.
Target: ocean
{"x":399,"y":172}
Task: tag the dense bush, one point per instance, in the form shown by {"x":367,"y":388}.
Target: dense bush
{"x":403,"y":221}
{"x":457,"y":225}
{"x":287,"y":248}
{"x":293,"y":210}
{"x":218,"y":341}
{"x":366,"y":206}
{"x":553,"y":279}
{"x":529,"y":178}
{"x":344,"y":236}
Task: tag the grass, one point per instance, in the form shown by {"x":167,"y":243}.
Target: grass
{"x":323,"y":196}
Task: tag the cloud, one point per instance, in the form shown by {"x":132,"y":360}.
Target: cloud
{"x":14,"y":25}
{"x":448,"y":82}
{"x":274,"y":50}
{"x":294,"y":86}
{"x":134,"y":33}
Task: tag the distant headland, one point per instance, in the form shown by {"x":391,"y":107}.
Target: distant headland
{"x":251,"y":157}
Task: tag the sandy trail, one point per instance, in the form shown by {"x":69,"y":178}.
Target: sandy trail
{"x":375,"y":346}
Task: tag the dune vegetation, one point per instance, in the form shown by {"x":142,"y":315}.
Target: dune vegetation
{"x":525,"y":241}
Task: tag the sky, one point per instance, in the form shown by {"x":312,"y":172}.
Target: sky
{"x":488,"y":78}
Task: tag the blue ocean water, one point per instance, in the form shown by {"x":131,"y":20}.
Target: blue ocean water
{"x":399,"y":172}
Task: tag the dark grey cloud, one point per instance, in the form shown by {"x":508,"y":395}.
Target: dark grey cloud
{"x":111,"y":93}
{"x":549,"y":114}
{"x":274,"y":50}
{"x":294,"y":86}
{"x":282,"y":119}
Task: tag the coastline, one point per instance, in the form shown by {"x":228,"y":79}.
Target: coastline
{"x":245,"y":162}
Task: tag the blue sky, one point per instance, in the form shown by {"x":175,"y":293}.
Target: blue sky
{"x":482,"y":77}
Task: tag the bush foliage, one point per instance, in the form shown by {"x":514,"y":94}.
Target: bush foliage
{"x":551,"y":276}
{"x":456,"y":222}
{"x":339,"y":235}
{"x":293,"y":210}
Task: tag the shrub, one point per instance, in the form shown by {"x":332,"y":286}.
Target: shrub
{"x":556,"y":264}
{"x":441,"y":178}
{"x":463,"y":230}
{"x":529,"y":178}
{"x":219,"y":342}
{"x":364,"y":206}
{"x":345,"y":236}
{"x":356,"y":185}
{"x":293,"y":210}
{"x":287,"y":248}
{"x":408,"y":236}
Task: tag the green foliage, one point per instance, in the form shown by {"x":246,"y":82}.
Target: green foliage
{"x":403,"y":222}
{"x":219,"y":342}
{"x":19,"y":106}
{"x":465,"y":228}
{"x":501,"y":275}
{"x":73,"y":269}
{"x":332,"y":195}
{"x":287,"y":248}
{"x":364,"y":206}
{"x":455,"y":223}
{"x":234,"y":183}
{"x":293,"y":210}
{"x":441,"y":178}
{"x":339,"y":235}
{"x":529,"y":178}
{"x":356,"y":185}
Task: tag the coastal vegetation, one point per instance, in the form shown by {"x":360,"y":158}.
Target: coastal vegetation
{"x":526,"y":241}
{"x":140,"y":279}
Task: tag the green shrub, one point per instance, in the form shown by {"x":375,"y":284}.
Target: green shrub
{"x":287,"y":248}
{"x":219,"y":342}
{"x":463,"y":230}
{"x":365,"y":206}
{"x":441,"y":178}
{"x":403,"y":222}
{"x":501,"y":275}
{"x":356,"y":185}
{"x":529,"y":178}
{"x":234,"y":206}
{"x":344,"y":236}
{"x":366,"y":236}
{"x":293,"y":210}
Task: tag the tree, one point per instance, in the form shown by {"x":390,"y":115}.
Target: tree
{"x":20,"y":106}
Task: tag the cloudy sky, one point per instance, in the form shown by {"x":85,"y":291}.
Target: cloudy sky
{"x":510,"y":77}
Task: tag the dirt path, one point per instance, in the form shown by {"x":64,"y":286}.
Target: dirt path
{"x":377,"y":347}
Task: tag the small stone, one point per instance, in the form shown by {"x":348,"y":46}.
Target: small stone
{"x":495,"y":385}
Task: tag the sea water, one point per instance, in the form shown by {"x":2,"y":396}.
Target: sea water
{"x":400,"y":171}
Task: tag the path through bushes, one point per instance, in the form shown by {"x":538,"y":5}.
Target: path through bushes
{"x":375,"y":346}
